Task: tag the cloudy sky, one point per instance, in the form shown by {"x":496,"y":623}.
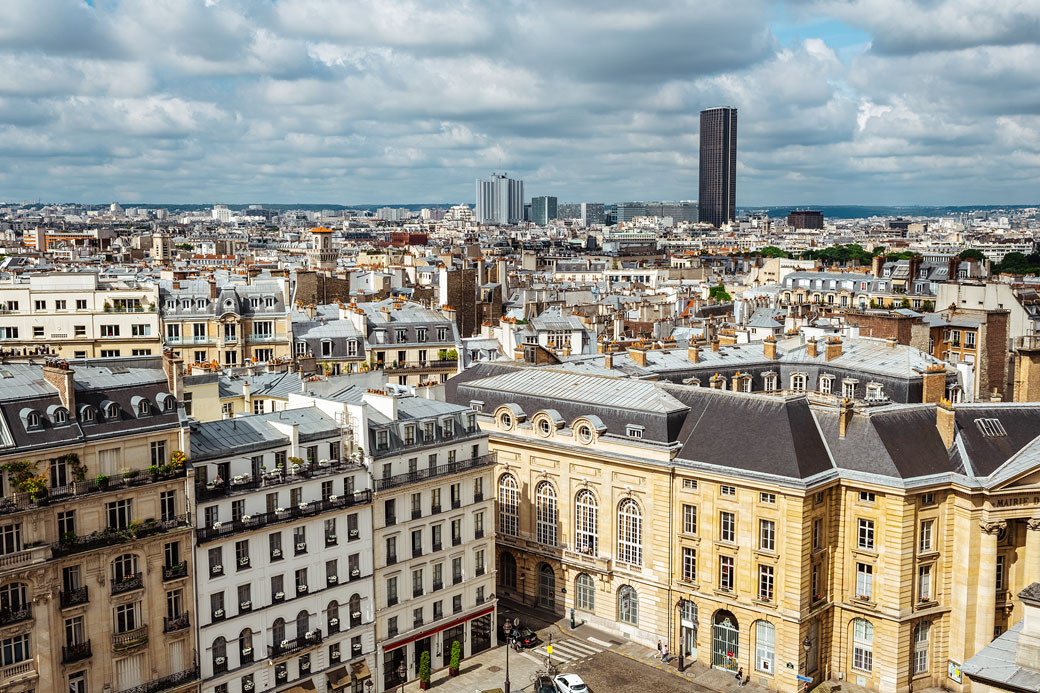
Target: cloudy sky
{"x":337,"y":101}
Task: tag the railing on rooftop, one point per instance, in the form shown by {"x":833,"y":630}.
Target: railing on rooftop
{"x":432,"y":364}
{"x":166,"y":683}
{"x":21,"y":501}
{"x":225,"y":529}
{"x":108,"y":537}
{"x":434,"y":472}
{"x":228,"y":487}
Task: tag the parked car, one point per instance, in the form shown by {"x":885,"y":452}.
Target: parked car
{"x":526,"y":637}
{"x":544,"y":684}
{"x":570,"y":683}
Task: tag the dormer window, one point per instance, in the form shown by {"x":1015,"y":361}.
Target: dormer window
{"x":88,"y":414}
{"x":633,"y":431}
{"x":382,"y":440}
{"x":112,"y":411}
{"x":352,"y":347}
{"x":326,"y":347}
{"x":269,"y":302}
{"x":170,"y":305}
{"x":449,"y":428}
{"x":798,"y":382}
{"x":32,"y":420}
{"x":200,"y":303}
{"x":229,"y":304}
{"x":61,"y":417}
{"x":254,"y":302}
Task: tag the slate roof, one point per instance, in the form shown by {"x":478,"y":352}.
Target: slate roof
{"x":996,"y":663}
{"x":987,"y":454}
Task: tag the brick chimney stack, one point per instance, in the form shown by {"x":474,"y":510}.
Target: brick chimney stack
{"x":833,"y":348}
{"x":845,"y":412}
{"x":693,"y":353}
{"x":58,"y":374}
{"x":813,"y":348}
{"x":946,"y":422}
{"x":770,"y":347}
{"x":933,"y":382}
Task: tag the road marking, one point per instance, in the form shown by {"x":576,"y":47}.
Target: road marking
{"x":599,"y":642}
{"x":569,"y":650}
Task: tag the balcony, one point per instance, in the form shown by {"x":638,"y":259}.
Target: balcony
{"x":226,"y":529}
{"x":173,"y":572}
{"x":19,"y":502}
{"x":166,"y":683}
{"x":265,"y":338}
{"x":108,"y":537}
{"x":269,"y":479}
{"x":128,"y":584}
{"x":287,"y":647}
{"x":434,"y":472}
{"x":75,"y":653}
{"x":429,"y":365}
{"x":587,"y":560}
{"x":171,"y":625}
{"x":9,"y":615}
{"x":26,"y":557}
{"x":130,"y":639}
{"x":17,"y":672}
{"x":73,"y":597}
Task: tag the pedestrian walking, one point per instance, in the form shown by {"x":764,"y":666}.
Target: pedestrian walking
{"x":664,"y":654}
{"x":658,"y":648}
{"x":740,"y":676}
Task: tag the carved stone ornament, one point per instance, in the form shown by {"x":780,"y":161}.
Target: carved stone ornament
{"x":993,"y":527}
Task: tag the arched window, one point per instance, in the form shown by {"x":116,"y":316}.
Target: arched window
{"x":124,"y":567}
{"x":547,"y":516}
{"x":332,"y":617}
{"x":765,"y":646}
{"x":220,"y":655}
{"x":508,"y":505}
{"x":586,"y":522}
{"x":584,"y":593}
{"x":13,"y":597}
{"x":32,"y":420}
{"x":546,"y":587}
{"x":630,"y":533}
{"x":628,"y":605}
{"x":278,"y":632}
{"x":303,"y":623}
{"x":921,"y":632}
{"x":245,"y":645}
{"x":354,"y":604}
{"x":89,"y":414}
{"x":798,"y":382}
{"x":112,"y":411}
{"x":144,"y":408}
{"x":862,"y":645}
{"x":507,"y":570}
{"x":60,"y":417}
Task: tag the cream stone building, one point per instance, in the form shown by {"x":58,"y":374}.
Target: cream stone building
{"x":96,"y":557}
{"x":788,"y":534}
{"x":78,"y":315}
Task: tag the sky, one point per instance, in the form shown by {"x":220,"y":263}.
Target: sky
{"x":880,"y":102}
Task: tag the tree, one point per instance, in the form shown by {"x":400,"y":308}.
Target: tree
{"x":424,"y":668}
{"x":719,"y":294}
{"x":773,"y":251}
{"x":972,"y":254}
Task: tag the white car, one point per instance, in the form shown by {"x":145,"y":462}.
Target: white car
{"x":570,"y":683}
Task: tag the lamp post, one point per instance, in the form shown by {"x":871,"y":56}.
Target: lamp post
{"x":368,"y":685}
{"x":510,"y":625}
{"x":401,"y":672}
{"x":806,"y":646}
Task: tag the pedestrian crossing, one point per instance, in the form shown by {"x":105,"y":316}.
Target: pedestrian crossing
{"x":567,"y":650}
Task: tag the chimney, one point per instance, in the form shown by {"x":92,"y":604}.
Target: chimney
{"x":212,"y":288}
{"x":58,"y":374}
{"x":933,"y":384}
{"x":601,"y":347}
{"x":717,"y":382}
{"x":813,"y":350}
{"x":637,"y":354}
{"x":518,"y":353}
{"x":383,"y":401}
{"x":693,"y":353}
{"x":996,"y":397}
{"x":608,"y":361}
{"x":952,"y":267}
{"x":174,"y":369}
{"x":891,"y":342}
{"x":915,"y":265}
{"x":715,"y":344}
{"x":770,"y":347}
{"x":876,"y":264}
{"x":833,"y":348}
{"x":845,"y":411}
{"x":247,"y":395}
{"x":946,"y":422}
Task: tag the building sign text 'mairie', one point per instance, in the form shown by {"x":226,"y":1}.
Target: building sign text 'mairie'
{"x":1014,"y":501}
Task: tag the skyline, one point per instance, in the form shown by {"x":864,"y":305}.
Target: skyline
{"x":868,"y":103}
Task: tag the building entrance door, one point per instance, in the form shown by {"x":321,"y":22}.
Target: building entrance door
{"x":725,"y":641}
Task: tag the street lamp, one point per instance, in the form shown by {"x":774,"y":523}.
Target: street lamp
{"x":401,"y":671}
{"x":682,"y":640}
{"x":368,"y":685}
{"x":807,"y":644}
{"x":510,"y":625}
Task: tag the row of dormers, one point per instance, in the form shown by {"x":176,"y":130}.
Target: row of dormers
{"x":107,"y":411}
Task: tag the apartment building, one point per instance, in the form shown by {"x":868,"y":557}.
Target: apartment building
{"x":433,"y":535}
{"x":96,"y":562}
{"x":284,"y":549}
{"x":411,"y":343}
{"x":75,"y":315}
{"x":230,"y":324}
{"x":829,"y":544}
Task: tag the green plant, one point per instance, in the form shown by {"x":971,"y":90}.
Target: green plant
{"x":101,"y":479}
{"x":295,"y":460}
{"x":719,"y":294}
{"x":78,"y":469}
{"x":35,"y":486}
{"x":153,"y":470}
{"x":424,"y":667}
{"x":456,"y":656}
{"x":452,"y":354}
{"x":68,"y":538}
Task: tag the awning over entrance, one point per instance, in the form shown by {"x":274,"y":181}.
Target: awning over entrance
{"x":302,"y":687}
{"x":338,"y":678}
{"x":360,"y":670}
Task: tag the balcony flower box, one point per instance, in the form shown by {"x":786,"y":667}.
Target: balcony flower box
{"x":219,"y":613}
{"x":244,"y":560}
{"x":247,"y":686}
{"x":355,"y":573}
{"x":357,"y":647}
{"x":309,"y":635}
{"x":334,"y":654}
{"x":219,"y":660}
{"x":279,"y":510}
{"x":333,"y":497}
{"x":331,"y":538}
{"x":301,"y":547}
{"x":864,"y":597}
{"x":276,"y":553}
{"x":301,"y":588}
{"x":216,"y":525}
{"x":285,"y":644}
{"x":245,"y":605}
{"x":216,"y":569}
{"x":305,"y":665}
{"x":353,"y":532}
{"x":333,"y":579}
{"x":279,"y":596}
{"x":324,"y":463}
{"x":333,"y":621}
{"x":356,"y":614}
{"x":247,"y":518}
{"x":302,"y":506}
{"x":246,"y":651}
{"x":282,"y":673}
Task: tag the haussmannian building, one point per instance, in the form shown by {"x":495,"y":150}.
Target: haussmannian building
{"x":787,"y":533}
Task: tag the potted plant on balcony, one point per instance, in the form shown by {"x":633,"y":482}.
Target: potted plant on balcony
{"x":177,"y":459}
{"x":101,"y":480}
{"x":456,"y":658}
{"x":78,"y":469}
{"x":424,"y":670}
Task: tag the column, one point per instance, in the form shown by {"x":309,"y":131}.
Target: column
{"x":1032,"y":562}
{"x":986,"y":595}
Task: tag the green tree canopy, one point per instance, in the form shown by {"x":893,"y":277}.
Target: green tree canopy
{"x":773,"y":251}
{"x":719,"y":294}
{"x":972,"y":254}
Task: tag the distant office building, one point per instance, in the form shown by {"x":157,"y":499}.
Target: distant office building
{"x":805,"y":219}
{"x":568,"y":210}
{"x":627,"y":211}
{"x":591,"y":213}
{"x":221,"y":213}
{"x":392,"y":213}
{"x":718,"y":173}
{"x":500,"y":200}
{"x":543,"y":209}
{"x":676,"y":211}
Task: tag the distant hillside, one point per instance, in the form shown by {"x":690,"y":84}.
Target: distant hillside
{"x":863,"y":211}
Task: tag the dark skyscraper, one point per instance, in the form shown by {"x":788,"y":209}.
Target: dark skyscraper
{"x":718,"y":177}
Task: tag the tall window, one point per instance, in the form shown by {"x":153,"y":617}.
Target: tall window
{"x":924,"y":583}
{"x":926,"y":535}
{"x":864,"y":581}
{"x":630,"y":533}
{"x":726,"y":572}
{"x":765,"y":583}
{"x":689,"y":519}
{"x":547,"y":516}
{"x":585,"y":516}
{"x":921,"y":647}
{"x":866,"y":534}
{"x":508,"y":505}
{"x":727,"y":527}
{"x":689,"y":564}
{"x":628,"y":605}
{"x":507,"y":570}
{"x":767,"y":535}
{"x":585,"y":593}
{"x":798,"y":382}
{"x":765,"y":645}
{"x":862,"y":645}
